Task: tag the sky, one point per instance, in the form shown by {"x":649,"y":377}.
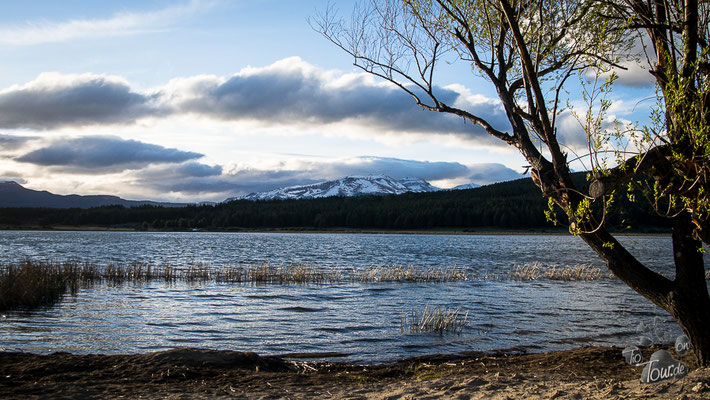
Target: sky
{"x":202,"y":100}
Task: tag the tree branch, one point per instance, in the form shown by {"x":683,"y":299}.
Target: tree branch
{"x":621,"y":175}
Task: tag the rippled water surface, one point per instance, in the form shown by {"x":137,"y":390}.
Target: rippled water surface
{"x":360,"y":320}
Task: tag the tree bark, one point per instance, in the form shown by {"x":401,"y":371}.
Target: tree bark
{"x":689,"y":302}
{"x":626,"y":267}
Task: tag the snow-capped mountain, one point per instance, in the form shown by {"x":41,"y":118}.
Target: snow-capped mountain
{"x":348,"y":186}
{"x":466,"y":186}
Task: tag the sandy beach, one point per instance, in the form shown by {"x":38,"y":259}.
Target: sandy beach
{"x":584,"y":373}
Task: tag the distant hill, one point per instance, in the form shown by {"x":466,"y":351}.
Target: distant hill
{"x":13,"y":194}
{"x":513,"y":205}
{"x":350,"y":186}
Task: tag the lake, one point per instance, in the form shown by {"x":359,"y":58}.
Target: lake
{"x":361,"y":321}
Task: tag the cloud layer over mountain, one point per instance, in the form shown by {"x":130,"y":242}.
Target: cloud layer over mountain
{"x":62,"y":109}
{"x":242,"y":181}
{"x":158,"y":169}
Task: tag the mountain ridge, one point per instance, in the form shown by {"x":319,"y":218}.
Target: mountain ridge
{"x":349,"y":186}
{"x":14,"y":195}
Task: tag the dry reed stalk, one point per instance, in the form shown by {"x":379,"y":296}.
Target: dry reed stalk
{"x":48,"y":281}
{"x":197,"y":272}
{"x":230,"y":275}
{"x":31,"y":284}
{"x":434,"y":319}
{"x":284,"y":274}
{"x":399,"y":273}
{"x":566,"y":273}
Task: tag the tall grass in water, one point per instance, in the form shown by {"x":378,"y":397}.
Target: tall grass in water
{"x":282,"y":274}
{"x":31,"y":284}
{"x":567,"y":273}
{"x":434,"y":319}
{"x":399,"y":273}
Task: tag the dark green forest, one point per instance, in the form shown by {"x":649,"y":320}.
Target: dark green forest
{"x":514,"y":205}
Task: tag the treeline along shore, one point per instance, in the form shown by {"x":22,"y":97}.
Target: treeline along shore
{"x":513,"y":205}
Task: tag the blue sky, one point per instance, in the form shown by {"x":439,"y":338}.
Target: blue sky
{"x":208,"y":99}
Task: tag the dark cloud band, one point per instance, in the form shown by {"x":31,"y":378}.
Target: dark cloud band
{"x":104,"y":154}
{"x":10,"y":142}
{"x":62,"y":101}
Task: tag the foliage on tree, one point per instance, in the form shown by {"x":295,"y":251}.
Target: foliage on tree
{"x":533,"y":53}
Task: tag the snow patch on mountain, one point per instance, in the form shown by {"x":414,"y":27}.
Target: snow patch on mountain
{"x":346,"y":187}
{"x":466,"y":186}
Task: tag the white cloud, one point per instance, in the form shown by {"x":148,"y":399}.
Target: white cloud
{"x":635,"y":65}
{"x":635,"y":74}
{"x":292,"y":91}
{"x":289,"y":93}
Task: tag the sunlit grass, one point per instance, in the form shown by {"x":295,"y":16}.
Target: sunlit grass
{"x":434,"y":319}
{"x":398,"y":273}
{"x":278,"y":274}
{"x":536,"y":271}
{"x":304,"y":273}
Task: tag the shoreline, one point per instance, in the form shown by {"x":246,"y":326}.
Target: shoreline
{"x":465,"y":232}
{"x":585,"y":372}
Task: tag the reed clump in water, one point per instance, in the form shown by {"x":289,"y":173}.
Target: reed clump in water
{"x":278,"y":274}
{"x":31,"y":285}
{"x":399,"y":273}
{"x":434,"y":319}
{"x":536,"y":271}
{"x":197,"y":273}
{"x":119,"y":274}
{"x":144,"y":273}
{"x":272,"y":274}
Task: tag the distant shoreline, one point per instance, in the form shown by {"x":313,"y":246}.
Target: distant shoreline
{"x":472,"y":232}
